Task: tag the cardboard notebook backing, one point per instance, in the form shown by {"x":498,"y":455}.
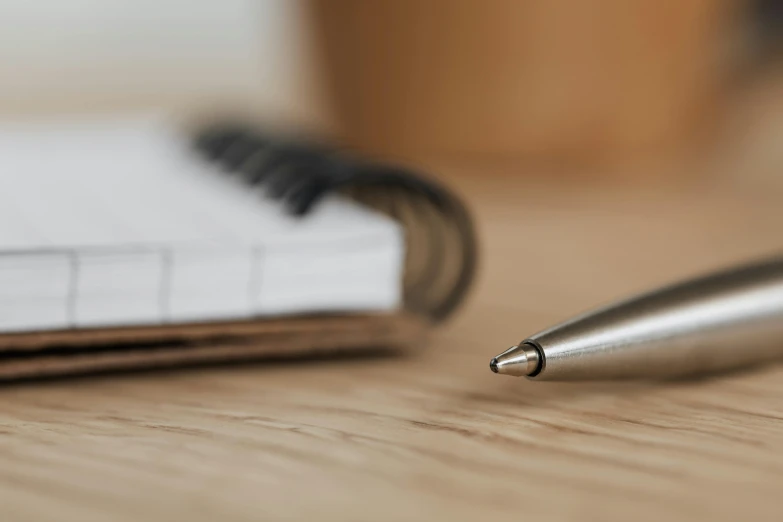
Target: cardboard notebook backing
{"x":67,"y":352}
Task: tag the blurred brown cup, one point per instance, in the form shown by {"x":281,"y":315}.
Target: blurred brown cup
{"x":512,"y":79}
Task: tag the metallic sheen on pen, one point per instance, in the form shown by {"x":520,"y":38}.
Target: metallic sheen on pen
{"x":719,"y":322}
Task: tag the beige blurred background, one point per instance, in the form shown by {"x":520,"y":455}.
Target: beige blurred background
{"x":591,"y":84}
{"x":84,"y":56}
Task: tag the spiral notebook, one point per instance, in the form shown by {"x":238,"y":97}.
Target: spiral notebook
{"x":128,"y":243}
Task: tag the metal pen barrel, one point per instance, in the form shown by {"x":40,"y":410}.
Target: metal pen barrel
{"x":720,"y":322}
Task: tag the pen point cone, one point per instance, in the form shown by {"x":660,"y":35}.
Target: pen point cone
{"x":520,"y":361}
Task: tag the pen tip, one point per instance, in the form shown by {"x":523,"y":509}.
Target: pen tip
{"x":521,"y":360}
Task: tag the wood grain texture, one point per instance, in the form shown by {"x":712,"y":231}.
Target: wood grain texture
{"x":435,"y":435}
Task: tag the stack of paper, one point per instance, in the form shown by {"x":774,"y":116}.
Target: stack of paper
{"x":119,"y":223}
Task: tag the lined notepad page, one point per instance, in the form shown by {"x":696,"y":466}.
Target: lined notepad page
{"x":118,"y":222}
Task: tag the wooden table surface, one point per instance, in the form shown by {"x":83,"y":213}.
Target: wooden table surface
{"x":434,"y":435}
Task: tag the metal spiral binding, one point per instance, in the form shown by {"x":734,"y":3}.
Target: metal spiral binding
{"x":441,"y":253}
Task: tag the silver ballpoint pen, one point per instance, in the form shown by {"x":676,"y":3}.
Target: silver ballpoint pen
{"x":715,"y":323}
